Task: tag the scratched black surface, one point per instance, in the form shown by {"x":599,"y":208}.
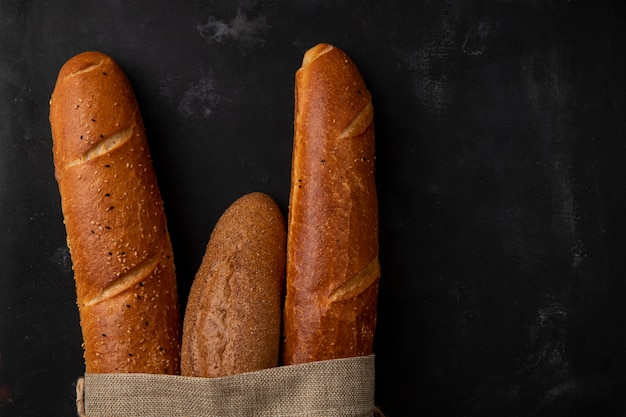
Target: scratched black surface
{"x":501,"y":139}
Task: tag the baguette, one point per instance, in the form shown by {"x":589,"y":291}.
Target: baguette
{"x":332,"y":243}
{"x":233,"y":317}
{"x":115,"y":222}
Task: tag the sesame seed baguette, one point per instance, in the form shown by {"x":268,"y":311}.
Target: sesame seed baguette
{"x":116,"y":228}
{"x":332,"y":241}
{"x":233,"y":316}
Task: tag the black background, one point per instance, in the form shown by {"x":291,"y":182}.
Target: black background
{"x":501,"y":141}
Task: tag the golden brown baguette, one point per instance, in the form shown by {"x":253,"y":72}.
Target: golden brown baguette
{"x":233,"y":316}
{"x":332,"y":243}
{"x":115,"y":222}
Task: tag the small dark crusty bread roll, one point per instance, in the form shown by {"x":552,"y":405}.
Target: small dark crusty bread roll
{"x":115,"y":222}
{"x":332,"y":243}
{"x":232,"y":321}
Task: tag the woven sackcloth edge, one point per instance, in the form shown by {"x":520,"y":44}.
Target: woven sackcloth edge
{"x":333,"y":388}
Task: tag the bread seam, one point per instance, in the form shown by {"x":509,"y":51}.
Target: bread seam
{"x":218,"y":319}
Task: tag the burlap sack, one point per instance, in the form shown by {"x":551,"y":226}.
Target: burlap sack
{"x":335,"y":388}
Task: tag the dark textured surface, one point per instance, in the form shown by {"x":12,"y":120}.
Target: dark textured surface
{"x":501,"y":139}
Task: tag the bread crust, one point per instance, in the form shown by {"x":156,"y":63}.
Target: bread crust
{"x":233,"y":316}
{"x":115,"y":222}
{"x":332,"y":244}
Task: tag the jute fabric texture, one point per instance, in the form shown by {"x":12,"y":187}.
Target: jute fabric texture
{"x":334,"y":388}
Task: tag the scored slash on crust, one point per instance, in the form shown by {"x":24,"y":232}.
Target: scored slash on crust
{"x":128,"y":280}
{"x":359,"y":123}
{"x":84,"y":70}
{"x":112,"y":142}
{"x":360,"y":282}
